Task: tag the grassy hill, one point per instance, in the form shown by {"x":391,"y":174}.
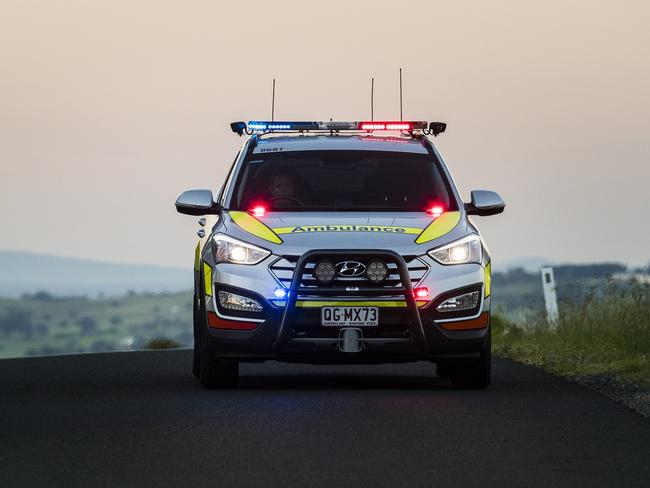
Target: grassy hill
{"x":43,"y":324}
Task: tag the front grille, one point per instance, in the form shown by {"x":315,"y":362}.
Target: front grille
{"x":283,"y":269}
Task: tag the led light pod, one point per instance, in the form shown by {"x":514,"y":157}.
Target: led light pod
{"x":324,"y":272}
{"x":376,"y":271}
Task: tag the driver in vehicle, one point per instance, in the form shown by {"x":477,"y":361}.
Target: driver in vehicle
{"x":282,"y":190}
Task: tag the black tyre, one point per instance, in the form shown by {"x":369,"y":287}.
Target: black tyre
{"x":213,"y":372}
{"x":472,"y":373}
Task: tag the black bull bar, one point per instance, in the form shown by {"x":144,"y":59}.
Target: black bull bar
{"x":404,"y":290}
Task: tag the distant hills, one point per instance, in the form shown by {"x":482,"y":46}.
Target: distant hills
{"x":528,"y":264}
{"x":26,"y":273}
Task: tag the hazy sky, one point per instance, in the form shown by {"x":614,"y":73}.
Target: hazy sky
{"x":109,"y":109}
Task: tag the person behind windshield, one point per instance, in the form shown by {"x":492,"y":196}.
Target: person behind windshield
{"x":281,"y":190}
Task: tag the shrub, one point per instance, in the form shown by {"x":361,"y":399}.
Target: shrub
{"x":161,"y":343}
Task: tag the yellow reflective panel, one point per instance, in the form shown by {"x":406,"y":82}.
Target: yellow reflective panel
{"x":384,"y":304}
{"x":389,"y":229}
{"x":439,"y":227}
{"x":207,"y":276}
{"x":197,"y":255}
{"x":253,"y":226}
{"x":488,"y":279}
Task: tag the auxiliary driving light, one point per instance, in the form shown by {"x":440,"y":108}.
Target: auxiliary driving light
{"x":324,"y":272}
{"x":466,"y":301}
{"x":232,"y":301}
{"x":376,"y":271}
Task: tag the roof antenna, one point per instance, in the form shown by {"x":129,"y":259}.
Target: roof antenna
{"x":400,"y":94}
{"x":273,"y":102}
{"x":372,"y":99}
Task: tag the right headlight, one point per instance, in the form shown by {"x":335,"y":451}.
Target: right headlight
{"x":229,"y":250}
{"x":463,"y":251}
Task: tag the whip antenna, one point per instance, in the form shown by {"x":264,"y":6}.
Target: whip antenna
{"x":400,"y":94}
{"x":273,"y":102}
{"x":372,"y":99}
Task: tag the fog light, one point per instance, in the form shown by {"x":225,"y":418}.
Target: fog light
{"x":238,"y":302}
{"x":324,"y":272}
{"x":467,"y":301}
{"x":376,"y":271}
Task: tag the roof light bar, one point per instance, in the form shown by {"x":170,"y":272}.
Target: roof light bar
{"x":268,"y":126}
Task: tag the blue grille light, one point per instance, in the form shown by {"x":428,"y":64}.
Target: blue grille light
{"x":280,"y":293}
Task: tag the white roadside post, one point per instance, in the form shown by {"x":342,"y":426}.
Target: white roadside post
{"x":548,"y":282}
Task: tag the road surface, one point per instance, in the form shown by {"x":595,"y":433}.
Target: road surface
{"x":141,"y":419}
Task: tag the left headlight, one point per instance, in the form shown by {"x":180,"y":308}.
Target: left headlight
{"x":463,"y":251}
{"x":225,"y":249}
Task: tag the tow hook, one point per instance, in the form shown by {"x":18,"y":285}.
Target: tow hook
{"x":350,"y":339}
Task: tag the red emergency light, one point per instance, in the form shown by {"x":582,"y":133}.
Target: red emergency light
{"x":258,"y":211}
{"x":421,"y":292}
{"x":435,"y":211}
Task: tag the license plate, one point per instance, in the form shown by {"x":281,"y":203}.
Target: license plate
{"x":349,"y":316}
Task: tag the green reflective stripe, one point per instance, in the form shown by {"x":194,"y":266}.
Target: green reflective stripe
{"x":197,"y":254}
{"x":439,"y":227}
{"x":488,"y":279}
{"x":384,"y":304}
{"x":207,"y":277}
{"x":253,"y":226}
{"x":390,"y":229}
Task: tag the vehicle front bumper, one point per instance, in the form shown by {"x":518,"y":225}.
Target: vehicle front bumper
{"x":305,"y":340}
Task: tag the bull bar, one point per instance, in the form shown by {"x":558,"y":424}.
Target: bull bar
{"x":404,"y":290}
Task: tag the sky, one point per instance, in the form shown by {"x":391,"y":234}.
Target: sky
{"x":109,"y":109}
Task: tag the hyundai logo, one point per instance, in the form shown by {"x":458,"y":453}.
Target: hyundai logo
{"x":350,"y":268}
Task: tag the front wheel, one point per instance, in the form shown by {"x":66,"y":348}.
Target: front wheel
{"x":469,"y":373}
{"x":213,"y":372}
{"x":216,"y":373}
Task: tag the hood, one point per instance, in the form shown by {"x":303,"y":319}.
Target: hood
{"x":298,"y":232}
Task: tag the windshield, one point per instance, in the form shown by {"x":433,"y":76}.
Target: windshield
{"x":342,"y":180}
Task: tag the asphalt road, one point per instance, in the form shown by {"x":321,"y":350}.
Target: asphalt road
{"x":128,"y":419}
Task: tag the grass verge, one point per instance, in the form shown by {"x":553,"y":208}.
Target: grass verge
{"x":607,"y":334}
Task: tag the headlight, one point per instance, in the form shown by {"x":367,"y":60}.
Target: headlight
{"x":466,"y":250}
{"x":225,"y":249}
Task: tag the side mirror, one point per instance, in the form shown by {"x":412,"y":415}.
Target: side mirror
{"x":484,"y":203}
{"x":196,"y":202}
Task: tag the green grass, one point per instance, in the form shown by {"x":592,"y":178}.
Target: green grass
{"x":42,"y":324}
{"x":608,"y":334}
